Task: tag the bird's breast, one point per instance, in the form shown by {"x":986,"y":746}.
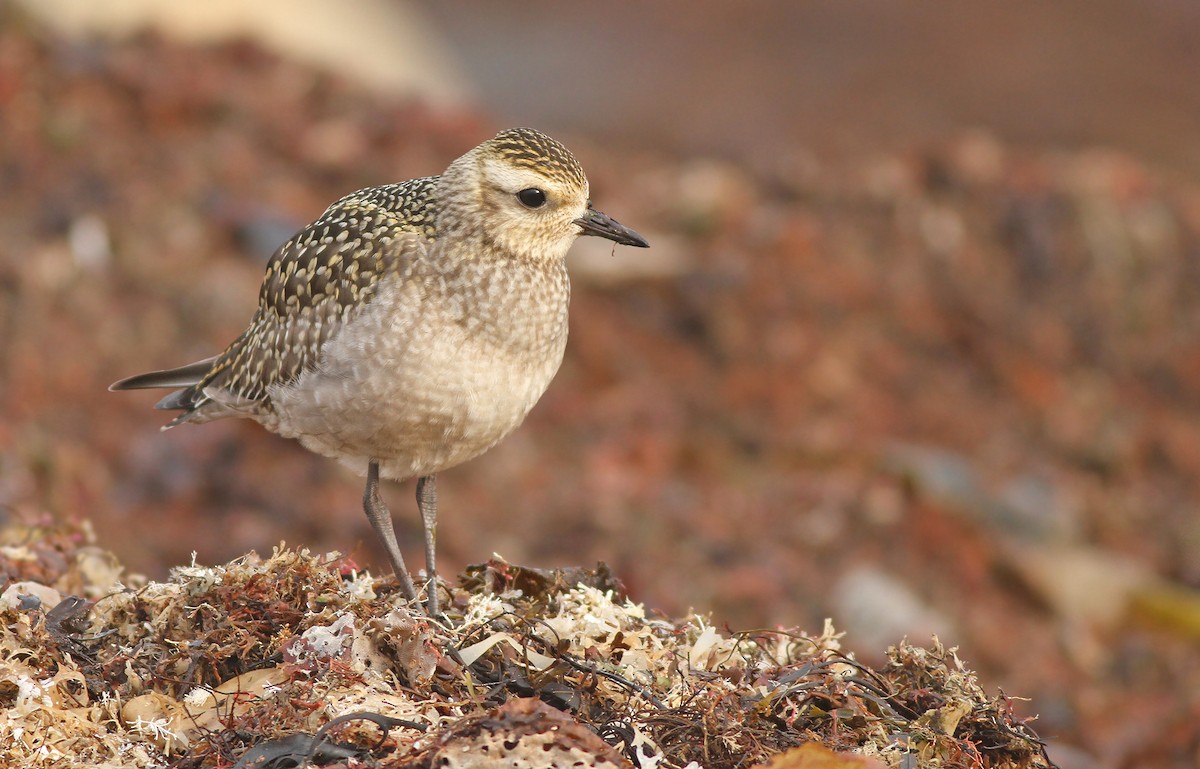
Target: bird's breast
{"x":432,"y":373}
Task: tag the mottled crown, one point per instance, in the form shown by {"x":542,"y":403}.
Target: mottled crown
{"x":527,"y":148}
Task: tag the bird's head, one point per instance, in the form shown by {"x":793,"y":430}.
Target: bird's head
{"x":524,"y":194}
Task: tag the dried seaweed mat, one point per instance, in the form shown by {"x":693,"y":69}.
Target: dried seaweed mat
{"x":298,"y":660}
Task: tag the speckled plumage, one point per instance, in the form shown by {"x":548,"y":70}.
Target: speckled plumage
{"x":413,"y":325}
{"x":315,"y":285}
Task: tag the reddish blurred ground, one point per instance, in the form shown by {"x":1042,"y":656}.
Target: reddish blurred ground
{"x":931,"y":364}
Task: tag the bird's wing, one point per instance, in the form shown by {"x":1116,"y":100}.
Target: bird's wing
{"x":183,"y":376}
{"x":315,"y":283}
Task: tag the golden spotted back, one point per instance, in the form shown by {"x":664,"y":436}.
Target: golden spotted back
{"x":317,"y":282}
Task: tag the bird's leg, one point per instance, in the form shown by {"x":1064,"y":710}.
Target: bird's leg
{"x":381,"y":521}
{"x":427,"y":504}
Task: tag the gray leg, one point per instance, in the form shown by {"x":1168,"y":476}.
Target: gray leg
{"x":381,"y":521}
{"x":427,"y":504}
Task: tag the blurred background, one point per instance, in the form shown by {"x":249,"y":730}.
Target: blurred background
{"x":916,"y":347}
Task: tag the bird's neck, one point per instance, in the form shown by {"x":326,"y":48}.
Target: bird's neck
{"x":517,"y":304}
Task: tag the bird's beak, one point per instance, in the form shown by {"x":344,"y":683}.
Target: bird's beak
{"x":598,"y":223}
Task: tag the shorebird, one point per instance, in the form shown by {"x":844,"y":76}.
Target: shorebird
{"x":412,"y":326}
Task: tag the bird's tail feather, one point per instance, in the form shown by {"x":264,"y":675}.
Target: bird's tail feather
{"x":186,"y":378}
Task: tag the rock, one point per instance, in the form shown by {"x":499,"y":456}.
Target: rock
{"x":876,"y":609}
{"x":389,"y":46}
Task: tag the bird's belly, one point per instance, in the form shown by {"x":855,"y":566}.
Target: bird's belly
{"x":418,"y":403}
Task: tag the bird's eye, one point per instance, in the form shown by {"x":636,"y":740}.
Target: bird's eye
{"x":532,"y":197}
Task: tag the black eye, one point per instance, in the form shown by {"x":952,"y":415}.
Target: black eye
{"x":532,"y":197}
